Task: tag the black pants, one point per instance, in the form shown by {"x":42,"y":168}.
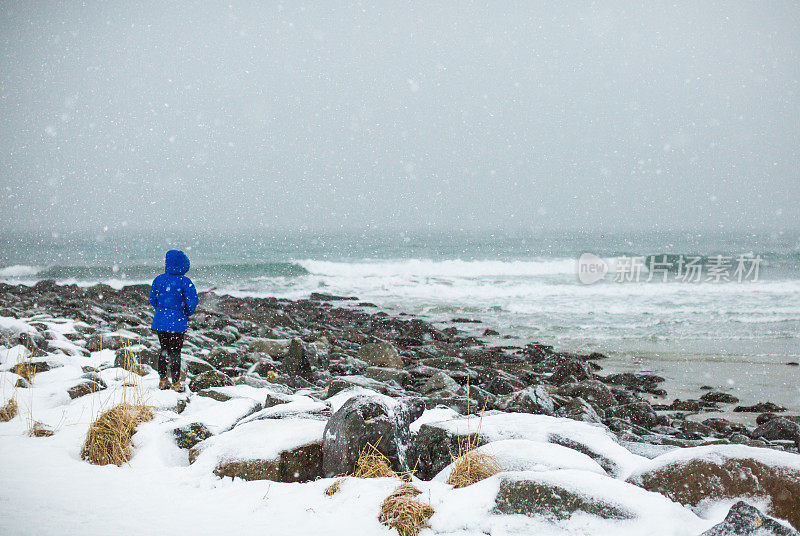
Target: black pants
{"x":171,"y":344}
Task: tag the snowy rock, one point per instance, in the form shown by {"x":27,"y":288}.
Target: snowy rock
{"x":386,"y":374}
{"x":524,"y":455}
{"x":746,"y":520}
{"x":689,"y":476}
{"x":131,"y":356}
{"x":436,"y":441}
{"x":340,"y":383}
{"x":112,"y":341}
{"x":218,"y":417}
{"x":208,"y":379}
{"x":283,"y":450}
{"x":718,"y":396}
{"x":638,"y":413}
{"x":594,"y":392}
{"x":186,"y":437}
{"x":779,"y":428}
{"x":297,"y":407}
{"x":570,"y":371}
{"x":380,"y":354}
{"x":559,"y":494}
{"x":579,"y":410}
{"x":195,"y":365}
{"x":302,"y":360}
{"x":29,"y":369}
{"x":84,"y":388}
{"x":221,"y":356}
{"x":528,"y":496}
{"x":379,"y":420}
{"x":440,"y":382}
{"x":271,"y":347}
{"x":531,"y":400}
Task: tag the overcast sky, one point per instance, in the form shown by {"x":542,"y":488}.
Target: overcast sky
{"x":344,"y":115}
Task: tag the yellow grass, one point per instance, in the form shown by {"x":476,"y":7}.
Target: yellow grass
{"x":8,"y":411}
{"x":373,"y":464}
{"x":472,"y":466}
{"x":404,"y":512}
{"x":109,"y":437}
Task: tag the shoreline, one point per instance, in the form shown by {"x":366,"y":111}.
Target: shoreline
{"x":225,"y":331}
{"x":285,"y":398}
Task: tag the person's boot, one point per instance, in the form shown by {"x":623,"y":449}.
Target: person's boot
{"x":163,"y":384}
{"x":178,"y":386}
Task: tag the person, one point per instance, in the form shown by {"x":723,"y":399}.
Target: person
{"x":175,"y":298}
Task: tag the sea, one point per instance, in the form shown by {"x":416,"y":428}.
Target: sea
{"x":716,"y":309}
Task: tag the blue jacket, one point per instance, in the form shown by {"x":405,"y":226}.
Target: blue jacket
{"x":173,"y":294}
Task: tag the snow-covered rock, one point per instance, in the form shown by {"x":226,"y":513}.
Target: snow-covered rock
{"x":435,"y":442}
{"x":283,"y":450}
{"x":692,"y":476}
{"x":525,"y":455}
{"x":378,"y":420}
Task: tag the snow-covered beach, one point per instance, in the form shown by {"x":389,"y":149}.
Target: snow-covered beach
{"x":607,"y":458}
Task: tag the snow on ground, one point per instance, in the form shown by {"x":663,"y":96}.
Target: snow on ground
{"x":47,"y":489}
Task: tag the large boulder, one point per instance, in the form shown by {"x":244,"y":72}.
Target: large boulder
{"x":378,"y":420}
{"x":436,"y":441}
{"x":300,"y":464}
{"x":283,"y":450}
{"x":746,"y":520}
{"x":530,"y":497}
{"x":380,"y":354}
{"x":718,"y":472}
{"x":558,"y":495}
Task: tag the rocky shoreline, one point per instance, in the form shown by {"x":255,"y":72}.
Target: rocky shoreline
{"x":344,"y":374}
{"x":328,"y":343}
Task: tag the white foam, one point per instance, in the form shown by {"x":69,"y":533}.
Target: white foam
{"x":19,"y":270}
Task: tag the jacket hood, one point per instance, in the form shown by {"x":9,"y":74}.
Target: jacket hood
{"x":177,"y":263}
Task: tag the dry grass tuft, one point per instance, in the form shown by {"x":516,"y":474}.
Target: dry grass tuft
{"x":403,"y":511}
{"x":109,"y":437}
{"x":373,"y":464}
{"x":39,"y":429}
{"x":472,"y":466}
{"x":334,"y":487}
{"x":271,"y":376}
{"x":8,"y":411}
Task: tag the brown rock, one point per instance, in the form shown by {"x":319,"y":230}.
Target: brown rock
{"x":380,"y":354}
{"x":83,"y":389}
{"x":300,"y":464}
{"x":720,"y":476}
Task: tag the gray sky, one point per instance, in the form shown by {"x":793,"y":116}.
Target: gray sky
{"x":343,"y":115}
